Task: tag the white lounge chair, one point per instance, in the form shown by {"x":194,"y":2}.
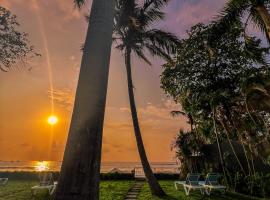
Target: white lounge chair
{"x":211,"y":183}
{"x":45,"y":183}
{"x":192,"y":183}
{"x":3,"y":181}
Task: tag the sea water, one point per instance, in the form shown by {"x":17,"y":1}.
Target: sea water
{"x":161,"y":167}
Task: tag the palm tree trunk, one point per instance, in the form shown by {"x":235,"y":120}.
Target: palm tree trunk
{"x":80,"y":172}
{"x":263,"y":12}
{"x":231,"y":119}
{"x":230,"y":143}
{"x":218,"y":145}
{"x":151,"y":179}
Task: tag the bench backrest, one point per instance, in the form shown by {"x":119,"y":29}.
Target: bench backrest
{"x":212,"y":178}
{"x":193,"y":178}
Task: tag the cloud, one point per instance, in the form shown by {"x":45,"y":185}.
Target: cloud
{"x":25,"y":145}
{"x":63,"y":97}
{"x":119,"y":126}
{"x":5,"y":3}
{"x":156,"y":113}
{"x":183,"y":14}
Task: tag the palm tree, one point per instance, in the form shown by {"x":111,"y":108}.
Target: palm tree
{"x":188,"y":115}
{"x":257,"y":10}
{"x":133,"y":34}
{"x":79,"y":178}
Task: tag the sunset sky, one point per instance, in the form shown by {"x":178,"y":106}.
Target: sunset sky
{"x":57,"y":31}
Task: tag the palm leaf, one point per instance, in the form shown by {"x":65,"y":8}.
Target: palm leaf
{"x":258,"y":22}
{"x":176,"y":113}
{"x":154,"y":3}
{"x":141,"y":55}
{"x":163,"y":40}
{"x":79,"y":3}
{"x":149,"y":16}
{"x":230,"y":15}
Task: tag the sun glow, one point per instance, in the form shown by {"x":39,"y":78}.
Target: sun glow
{"x":52,"y":120}
{"x":42,"y":166}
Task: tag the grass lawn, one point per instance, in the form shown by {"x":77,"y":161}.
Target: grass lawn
{"x":20,"y":190}
{"x":173,"y":194}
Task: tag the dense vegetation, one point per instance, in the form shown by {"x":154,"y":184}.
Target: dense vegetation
{"x":219,"y":81}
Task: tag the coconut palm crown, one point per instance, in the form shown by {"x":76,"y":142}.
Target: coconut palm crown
{"x":255,"y":12}
{"x":133,"y":33}
{"x":133,"y":29}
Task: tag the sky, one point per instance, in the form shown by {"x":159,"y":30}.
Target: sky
{"x":57,"y":31}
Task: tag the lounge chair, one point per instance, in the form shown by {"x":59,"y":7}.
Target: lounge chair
{"x":3,"y":181}
{"x":45,"y":183}
{"x":192,"y":183}
{"x":211,"y":183}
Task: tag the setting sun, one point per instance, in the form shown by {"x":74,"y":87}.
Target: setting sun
{"x":52,"y":120}
{"x":42,"y":166}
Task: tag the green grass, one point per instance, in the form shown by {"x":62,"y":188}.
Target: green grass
{"x":173,"y":194}
{"x":20,"y":190}
{"x":114,"y":190}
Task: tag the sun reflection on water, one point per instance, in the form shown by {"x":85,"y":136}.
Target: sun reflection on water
{"x":42,"y":166}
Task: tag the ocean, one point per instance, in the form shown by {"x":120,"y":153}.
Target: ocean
{"x":161,"y":167}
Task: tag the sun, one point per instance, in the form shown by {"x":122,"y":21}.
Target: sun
{"x":42,"y":166}
{"x":52,"y":120}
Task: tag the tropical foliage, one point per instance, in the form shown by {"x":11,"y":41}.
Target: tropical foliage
{"x":217,"y":81}
{"x":246,"y":12}
{"x":134,"y":34}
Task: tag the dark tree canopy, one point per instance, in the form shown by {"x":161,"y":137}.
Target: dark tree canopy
{"x":206,"y":63}
{"x":218,"y":77}
{"x":14,"y":45}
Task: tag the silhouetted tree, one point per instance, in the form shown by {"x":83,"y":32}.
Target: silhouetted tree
{"x":80,"y":172}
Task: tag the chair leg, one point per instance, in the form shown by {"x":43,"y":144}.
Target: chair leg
{"x":187,"y":190}
{"x":210,"y":189}
{"x":202,"y":191}
{"x":207,"y":191}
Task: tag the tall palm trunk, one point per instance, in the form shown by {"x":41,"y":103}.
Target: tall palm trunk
{"x":151,"y":179}
{"x":79,"y":178}
{"x":218,"y":145}
{"x":263,"y":12}
{"x":231,"y":145}
{"x":231,"y":120}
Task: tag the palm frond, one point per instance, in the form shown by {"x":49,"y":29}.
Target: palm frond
{"x":154,"y":3}
{"x":258,"y":22}
{"x":176,"y":113}
{"x":141,"y":55}
{"x":162,"y":39}
{"x":79,"y":3}
{"x":146,"y":18}
{"x":230,"y":15}
{"x":157,"y":51}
